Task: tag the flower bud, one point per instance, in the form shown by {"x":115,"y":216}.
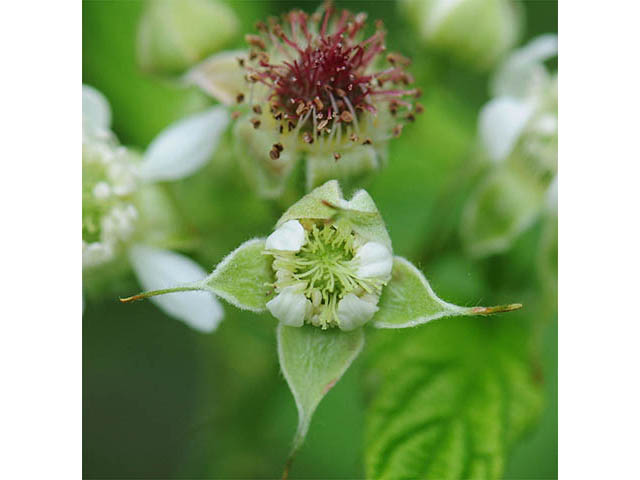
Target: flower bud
{"x":476,"y":32}
{"x":173,"y":35}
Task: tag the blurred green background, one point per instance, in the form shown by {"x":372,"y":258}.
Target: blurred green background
{"x":163,"y":401}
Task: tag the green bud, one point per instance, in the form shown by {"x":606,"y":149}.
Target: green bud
{"x":476,"y":32}
{"x":173,"y":35}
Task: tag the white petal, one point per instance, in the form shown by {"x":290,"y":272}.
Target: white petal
{"x":96,"y":113}
{"x":220,"y":76}
{"x":157,"y":269}
{"x":353,"y":312}
{"x":290,"y":306}
{"x":185,"y":146}
{"x":288,"y":237}
{"x":538,"y":50}
{"x":501,"y":122}
{"x":524,"y":73}
{"x":373,"y":260}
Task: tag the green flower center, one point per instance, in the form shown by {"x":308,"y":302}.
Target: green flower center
{"x":324,"y":271}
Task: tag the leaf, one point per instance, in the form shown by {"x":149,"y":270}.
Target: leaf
{"x":408,"y":300}
{"x":244,"y":277}
{"x":312,"y":361}
{"x":452,"y":398}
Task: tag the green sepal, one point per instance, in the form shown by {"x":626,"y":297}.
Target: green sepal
{"x":312,"y":361}
{"x":252,"y":146}
{"x":354,"y":165}
{"x":244,"y":278}
{"x":408,"y":301}
{"x":327,"y":203}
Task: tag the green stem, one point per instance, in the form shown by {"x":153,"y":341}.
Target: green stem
{"x":185,"y":288}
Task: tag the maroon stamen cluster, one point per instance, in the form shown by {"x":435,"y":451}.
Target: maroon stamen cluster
{"x":323,"y":77}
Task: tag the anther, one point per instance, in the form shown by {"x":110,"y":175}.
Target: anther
{"x":255,"y":41}
{"x":346,"y":116}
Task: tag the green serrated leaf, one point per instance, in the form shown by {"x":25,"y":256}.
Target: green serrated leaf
{"x":244,"y":277}
{"x":452,"y":398}
{"x":408,"y":300}
{"x":312,"y":361}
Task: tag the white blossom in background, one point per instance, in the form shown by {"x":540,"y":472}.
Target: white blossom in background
{"x":525,"y":105}
{"x":113,"y":177}
{"x":518,"y":132}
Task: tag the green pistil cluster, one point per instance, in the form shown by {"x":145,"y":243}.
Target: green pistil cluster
{"x":93,"y":208}
{"x":325,"y":271}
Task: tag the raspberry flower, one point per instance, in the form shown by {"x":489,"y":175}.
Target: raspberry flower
{"x":326,"y":273}
{"x":312,"y":87}
{"x":124,"y":214}
{"x":518,"y":130}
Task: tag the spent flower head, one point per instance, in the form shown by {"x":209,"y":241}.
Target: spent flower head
{"x":317,"y":86}
{"x":325,"y":272}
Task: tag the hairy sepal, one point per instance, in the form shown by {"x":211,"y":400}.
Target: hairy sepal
{"x":312,"y":361}
{"x":244,"y":278}
{"x":408,"y":300}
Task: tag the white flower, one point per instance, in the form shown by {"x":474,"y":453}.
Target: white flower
{"x":525,"y":102}
{"x":327,"y":274}
{"x":112,"y":177}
